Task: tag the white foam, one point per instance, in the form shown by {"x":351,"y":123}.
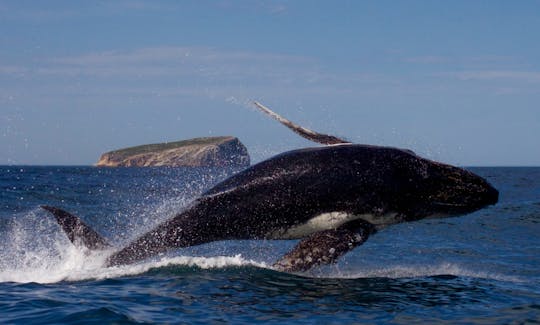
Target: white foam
{"x":214,"y":262}
{"x":34,"y":249}
{"x":78,"y":265}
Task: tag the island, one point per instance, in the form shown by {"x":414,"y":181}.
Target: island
{"x":197,"y":152}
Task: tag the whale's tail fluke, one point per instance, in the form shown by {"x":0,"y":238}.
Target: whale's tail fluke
{"x":302,"y":131}
{"x":77,"y":231}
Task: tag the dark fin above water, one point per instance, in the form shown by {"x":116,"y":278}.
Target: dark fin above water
{"x":302,"y":131}
{"x":76,"y":230}
{"x":325,"y":247}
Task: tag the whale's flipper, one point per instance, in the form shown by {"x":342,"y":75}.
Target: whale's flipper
{"x":325,"y":247}
{"x":77,"y":231}
{"x":302,"y":131}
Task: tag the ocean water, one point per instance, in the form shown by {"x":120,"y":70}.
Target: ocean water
{"x":478,"y":268}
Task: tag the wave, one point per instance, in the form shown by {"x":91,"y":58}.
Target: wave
{"x":36,"y":250}
{"x":416,"y":271}
{"x":77,"y":265}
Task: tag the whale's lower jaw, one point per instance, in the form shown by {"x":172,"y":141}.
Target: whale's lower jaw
{"x":333,"y":220}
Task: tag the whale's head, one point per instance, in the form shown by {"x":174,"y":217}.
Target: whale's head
{"x":435,"y":189}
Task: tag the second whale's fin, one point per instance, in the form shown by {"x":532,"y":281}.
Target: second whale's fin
{"x":77,"y":231}
{"x":325,"y":247}
{"x":302,"y":131}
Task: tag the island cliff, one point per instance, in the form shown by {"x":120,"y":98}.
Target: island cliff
{"x":198,"y":152}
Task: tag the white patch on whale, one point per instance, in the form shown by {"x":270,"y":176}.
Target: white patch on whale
{"x":332,"y":220}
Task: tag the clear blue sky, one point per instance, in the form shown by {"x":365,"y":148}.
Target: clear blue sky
{"x":456,"y":81}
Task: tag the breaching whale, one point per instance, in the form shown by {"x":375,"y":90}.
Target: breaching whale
{"x":331,"y":197}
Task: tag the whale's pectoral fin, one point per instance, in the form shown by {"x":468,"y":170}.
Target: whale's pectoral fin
{"x":325,"y":247}
{"x":302,"y":131}
{"x":76,"y":230}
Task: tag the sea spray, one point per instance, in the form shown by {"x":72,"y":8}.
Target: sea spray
{"x":36,"y":250}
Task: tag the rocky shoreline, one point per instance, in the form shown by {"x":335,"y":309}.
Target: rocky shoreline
{"x":197,"y":152}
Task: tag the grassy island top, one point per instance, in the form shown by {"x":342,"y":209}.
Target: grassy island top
{"x":156,"y":147}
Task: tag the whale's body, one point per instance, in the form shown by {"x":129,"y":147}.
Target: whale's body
{"x":331,"y":197}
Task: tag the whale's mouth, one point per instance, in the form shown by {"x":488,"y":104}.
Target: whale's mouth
{"x":454,"y":207}
{"x":446,"y":209}
{"x":444,"y":204}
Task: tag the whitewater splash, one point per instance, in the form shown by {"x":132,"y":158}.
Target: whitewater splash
{"x":36,"y":250}
{"x":80,"y":267}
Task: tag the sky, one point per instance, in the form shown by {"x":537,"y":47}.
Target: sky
{"x":455,"y":81}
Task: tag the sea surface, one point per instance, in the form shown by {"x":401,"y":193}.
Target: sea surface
{"x":478,"y":268}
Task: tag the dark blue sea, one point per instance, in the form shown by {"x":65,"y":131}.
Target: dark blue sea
{"x":478,"y":268}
